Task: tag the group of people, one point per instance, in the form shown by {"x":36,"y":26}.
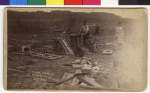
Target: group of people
{"x":86,"y":34}
{"x":89,"y":42}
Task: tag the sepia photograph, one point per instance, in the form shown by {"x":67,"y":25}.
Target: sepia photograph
{"x":75,"y":49}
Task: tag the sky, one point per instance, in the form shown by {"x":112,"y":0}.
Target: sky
{"x":133,"y":13}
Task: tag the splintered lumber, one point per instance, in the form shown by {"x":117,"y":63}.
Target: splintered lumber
{"x":75,"y":82}
{"x":70,"y":81}
{"x":67,"y":79}
{"x":65,"y":46}
{"x":51,"y":58}
{"x":67,"y":64}
{"x":77,"y":61}
{"x":64,"y":76}
{"x":46,"y":56}
{"x":77,"y":66}
{"x":71,"y":76}
{"x":89,"y":81}
{"x":90,"y":71}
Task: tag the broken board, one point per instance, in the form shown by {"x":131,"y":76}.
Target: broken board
{"x":65,"y":46}
{"x":46,"y":56}
{"x":61,"y":86}
{"x":89,"y":81}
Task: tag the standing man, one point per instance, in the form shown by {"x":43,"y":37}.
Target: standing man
{"x":96,"y":30}
{"x":85,"y":32}
{"x":119,"y":33}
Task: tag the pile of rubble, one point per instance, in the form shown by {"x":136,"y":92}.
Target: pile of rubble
{"x":83,"y":78}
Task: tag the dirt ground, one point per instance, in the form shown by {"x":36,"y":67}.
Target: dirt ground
{"x":122,"y":68}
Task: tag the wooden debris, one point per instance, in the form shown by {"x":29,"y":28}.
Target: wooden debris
{"x":67,"y":64}
{"x":61,"y":86}
{"x":96,"y":70}
{"x":77,"y":66}
{"x":90,"y":70}
{"x":69,"y":82}
{"x":67,"y":79}
{"x":77,"y":60}
{"x":75,"y":82}
{"x":78,"y":71}
{"x":84,"y":61}
{"x":88,"y":62}
{"x":45,"y":56}
{"x":57,"y":31}
{"x":89,"y":81}
{"x":107,"y":52}
{"x":64,"y":76}
{"x":85,"y":66}
{"x":71,"y":76}
{"x":65,"y":46}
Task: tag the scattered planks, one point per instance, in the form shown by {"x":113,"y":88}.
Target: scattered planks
{"x":89,"y":81}
{"x":69,"y":77}
{"x":81,"y":80}
{"x":79,"y":76}
{"x":46,"y":56}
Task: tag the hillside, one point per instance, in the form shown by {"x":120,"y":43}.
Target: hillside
{"x":37,"y":22}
